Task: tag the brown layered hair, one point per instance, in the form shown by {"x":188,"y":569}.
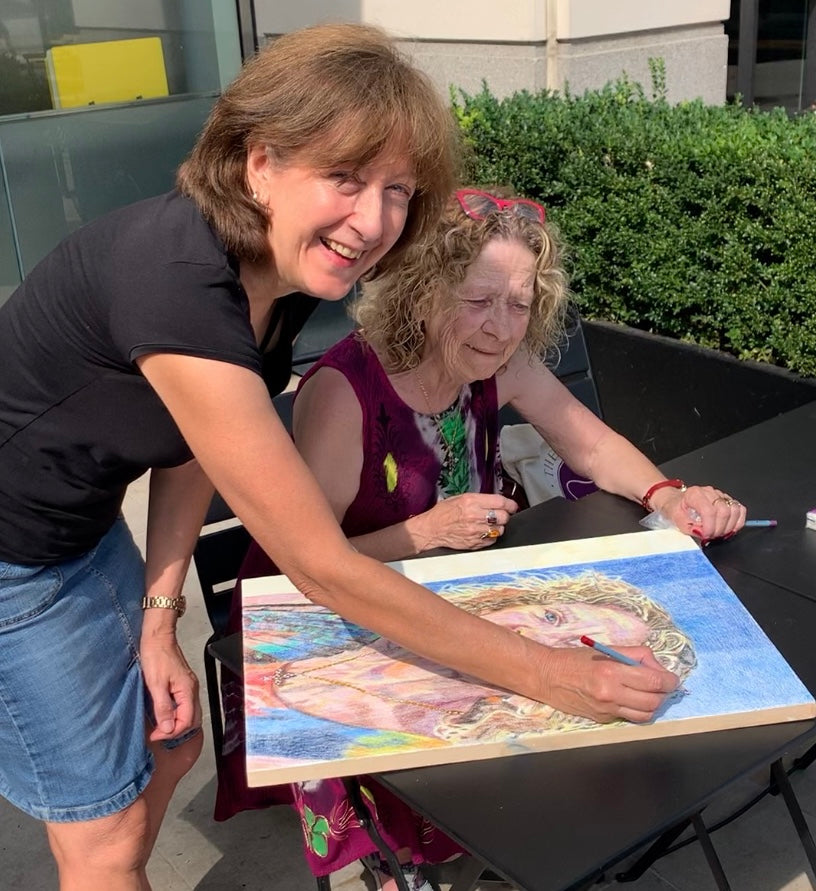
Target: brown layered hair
{"x":327,"y":96}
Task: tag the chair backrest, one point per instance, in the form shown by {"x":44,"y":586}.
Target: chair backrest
{"x":217,"y":558}
{"x":571,"y":365}
{"x":329,"y":323}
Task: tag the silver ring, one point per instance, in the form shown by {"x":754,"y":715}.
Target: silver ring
{"x":491,"y":519}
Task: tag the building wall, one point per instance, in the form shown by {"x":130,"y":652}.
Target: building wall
{"x":537,"y":44}
{"x":695,"y":58}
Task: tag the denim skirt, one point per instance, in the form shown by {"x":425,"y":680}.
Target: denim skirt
{"x":72,"y":699}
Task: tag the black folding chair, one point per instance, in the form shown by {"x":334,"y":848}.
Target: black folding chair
{"x":570,"y":364}
{"x":217,"y":557}
{"x":329,"y":323}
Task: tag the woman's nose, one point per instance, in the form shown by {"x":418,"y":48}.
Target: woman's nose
{"x":497,"y":322}
{"x":367,"y":216}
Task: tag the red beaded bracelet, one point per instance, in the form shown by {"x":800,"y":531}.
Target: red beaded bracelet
{"x":646,"y":501}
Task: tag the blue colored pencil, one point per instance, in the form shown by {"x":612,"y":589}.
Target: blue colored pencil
{"x":760,"y":522}
{"x":608,"y":651}
{"x":620,"y":657}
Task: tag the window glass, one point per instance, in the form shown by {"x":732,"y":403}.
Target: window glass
{"x":9,"y":265}
{"x":100,"y":100}
{"x":64,"y":170}
{"x":779,"y":65}
{"x":73,"y":53}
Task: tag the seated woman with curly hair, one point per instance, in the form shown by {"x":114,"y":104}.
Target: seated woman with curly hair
{"x":399,"y":424}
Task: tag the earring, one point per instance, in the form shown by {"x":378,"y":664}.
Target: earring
{"x":260,"y":202}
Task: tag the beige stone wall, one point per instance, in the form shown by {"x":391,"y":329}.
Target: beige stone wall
{"x":533,"y":44}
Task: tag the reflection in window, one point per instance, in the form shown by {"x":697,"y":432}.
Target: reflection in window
{"x":110,"y":49}
{"x":83,"y":130}
{"x":779,"y":66}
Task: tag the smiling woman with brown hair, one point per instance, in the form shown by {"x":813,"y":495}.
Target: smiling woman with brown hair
{"x":152,"y":339}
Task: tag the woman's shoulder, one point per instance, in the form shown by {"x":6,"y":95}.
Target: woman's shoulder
{"x":164,"y":231}
{"x":349,"y":367}
{"x":523,"y":375}
{"x":351,"y":356}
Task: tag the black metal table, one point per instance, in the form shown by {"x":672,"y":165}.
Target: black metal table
{"x":558,"y":820}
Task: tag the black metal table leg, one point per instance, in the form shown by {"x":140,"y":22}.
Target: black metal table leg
{"x":710,"y":854}
{"x":656,"y":850}
{"x":780,"y":779}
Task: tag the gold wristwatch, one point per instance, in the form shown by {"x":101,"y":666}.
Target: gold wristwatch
{"x":179,"y":604}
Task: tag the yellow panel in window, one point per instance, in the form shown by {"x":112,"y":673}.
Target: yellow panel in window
{"x":108,"y":71}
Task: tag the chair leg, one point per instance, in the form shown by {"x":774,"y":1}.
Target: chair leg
{"x":364,"y":816}
{"x":323,"y":883}
{"x":214,"y":698}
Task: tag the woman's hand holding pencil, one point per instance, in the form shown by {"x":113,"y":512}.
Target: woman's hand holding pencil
{"x":579,"y":683}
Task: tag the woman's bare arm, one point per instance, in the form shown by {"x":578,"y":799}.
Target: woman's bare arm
{"x":593,"y":449}
{"x":179,"y":497}
{"x":228,"y":420}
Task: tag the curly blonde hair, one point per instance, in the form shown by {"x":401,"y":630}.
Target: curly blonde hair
{"x":394,"y":308}
{"x":507,"y":716}
{"x":671,"y":646}
{"x":329,"y":95}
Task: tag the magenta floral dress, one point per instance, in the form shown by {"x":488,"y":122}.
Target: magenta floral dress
{"x":411,"y":461}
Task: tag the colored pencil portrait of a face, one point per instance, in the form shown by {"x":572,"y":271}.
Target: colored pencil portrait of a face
{"x":372,"y":683}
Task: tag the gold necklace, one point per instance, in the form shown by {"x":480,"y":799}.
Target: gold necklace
{"x":427,"y":398}
{"x":282,"y":675}
{"x":424,"y":391}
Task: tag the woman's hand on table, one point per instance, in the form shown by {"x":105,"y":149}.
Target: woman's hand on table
{"x":583,"y":682}
{"x":464,"y":522}
{"x":702,"y":511}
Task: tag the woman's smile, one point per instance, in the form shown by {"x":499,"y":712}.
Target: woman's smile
{"x":341,"y":249}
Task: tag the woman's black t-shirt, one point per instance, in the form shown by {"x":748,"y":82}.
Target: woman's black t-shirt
{"x":78,"y":422}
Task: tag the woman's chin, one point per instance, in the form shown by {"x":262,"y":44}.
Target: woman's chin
{"x":481,"y":371}
{"x":331,"y":289}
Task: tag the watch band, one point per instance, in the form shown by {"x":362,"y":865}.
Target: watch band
{"x":179,"y":604}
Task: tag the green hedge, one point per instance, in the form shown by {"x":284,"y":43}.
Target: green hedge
{"x":692,"y":221}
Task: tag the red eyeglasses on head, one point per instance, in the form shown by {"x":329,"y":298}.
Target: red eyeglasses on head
{"x":478,"y":205}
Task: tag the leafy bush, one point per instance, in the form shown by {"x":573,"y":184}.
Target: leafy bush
{"x":693,"y":221}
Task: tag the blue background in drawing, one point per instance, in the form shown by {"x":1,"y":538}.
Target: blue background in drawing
{"x":738,"y":669}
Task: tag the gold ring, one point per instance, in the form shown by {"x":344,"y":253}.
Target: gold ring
{"x":491,"y":533}
{"x":491,"y":519}
{"x":725,"y":500}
